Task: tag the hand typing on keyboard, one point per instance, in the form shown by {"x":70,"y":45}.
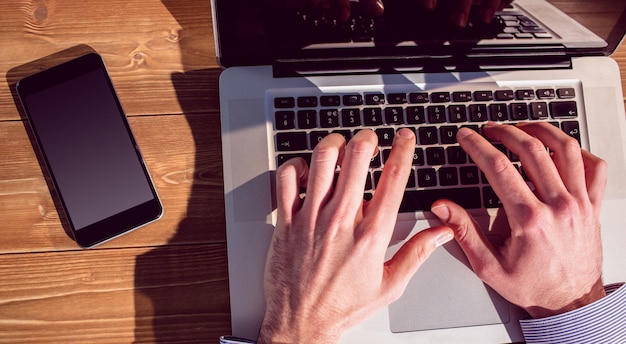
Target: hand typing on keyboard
{"x":326,"y":267}
{"x":459,"y":10}
{"x":552,"y":262}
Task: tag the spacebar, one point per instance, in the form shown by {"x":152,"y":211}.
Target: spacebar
{"x":419,"y":200}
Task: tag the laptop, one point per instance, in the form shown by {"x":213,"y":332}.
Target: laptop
{"x":291,"y":77}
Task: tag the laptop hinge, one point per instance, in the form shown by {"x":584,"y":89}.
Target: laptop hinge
{"x":485,"y":58}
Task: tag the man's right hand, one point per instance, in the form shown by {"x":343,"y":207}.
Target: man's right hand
{"x":552,"y":263}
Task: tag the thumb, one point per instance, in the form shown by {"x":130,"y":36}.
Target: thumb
{"x":413,"y":253}
{"x":468,"y":234}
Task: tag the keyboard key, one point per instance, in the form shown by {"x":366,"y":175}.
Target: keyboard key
{"x":482,"y":96}
{"x":374,"y":99}
{"x":291,"y":141}
{"x":457,"y":113}
{"x":394,"y":115}
{"x":448,"y":134}
{"x":427,"y":135}
{"x":504,"y":95}
{"x":545,"y":93}
{"x":462,"y":96}
{"x":397,"y":98}
{"x":415,"y":115}
{"x":436,"y":114}
{"x":498,"y":112}
{"x":373,"y":116}
{"x":330,"y":100}
{"x":422,"y":200}
{"x":566,"y":93}
{"x":478,"y":112}
{"x":435,"y":156}
{"x":284,"y":102}
{"x":376,"y":161}
{"x":563,"y":109}
{"x":456,"y":155}
{"x":440,"y":97}
{"x":385,"y":136}
{"x":538,"y":110}
{"x":418,"y":97}
{"x":351,"y":117}
{"x":469,"y":175}
{"x":329,"y":118}
{"x":519,"y":111}
{"x":418,"y":157}
{"x":315,"y":137}
{"x":524,"y":94}
{"x":285,"y":120}
{"x":490,"y":199}
{"x":352,"y":99}
{"x":426,"y":177}
{"x":307,"y":101}
{"x":307,"y":119}
{"x":572,"y":129}
{"x":448,"y":176}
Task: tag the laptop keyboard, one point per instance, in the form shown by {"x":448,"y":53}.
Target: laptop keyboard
{"x":417,"y":26}
{"x":441,"y":169}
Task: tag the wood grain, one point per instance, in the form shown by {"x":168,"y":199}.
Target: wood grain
{"x":171,"y":294}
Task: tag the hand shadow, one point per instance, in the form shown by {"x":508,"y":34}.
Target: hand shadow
{"x":181,"y":289}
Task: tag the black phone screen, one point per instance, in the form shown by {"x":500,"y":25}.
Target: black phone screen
{"x":89,"y":150}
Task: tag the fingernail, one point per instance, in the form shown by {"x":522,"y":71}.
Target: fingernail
{"x":441,"y":211}
{"x":406,"y":133}
{"x":443,"y":238}
{"x":463,"y":132}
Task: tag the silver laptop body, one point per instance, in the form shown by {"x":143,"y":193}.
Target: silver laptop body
{"x":445,"y":301}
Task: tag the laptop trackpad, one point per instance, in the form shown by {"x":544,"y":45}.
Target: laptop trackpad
{"x":445,"y":293}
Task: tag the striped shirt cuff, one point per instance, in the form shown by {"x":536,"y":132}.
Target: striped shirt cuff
{"x":603,"y":321}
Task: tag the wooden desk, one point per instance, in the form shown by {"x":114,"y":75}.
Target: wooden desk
{"x":167,"y":282}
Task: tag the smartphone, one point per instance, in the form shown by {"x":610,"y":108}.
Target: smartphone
{"x":89,"y":151}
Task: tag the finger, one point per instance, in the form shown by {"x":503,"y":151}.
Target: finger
{"x":566,"y":155}
{"x":488,"y":9}
{"x":373,"y":7}
{"x":459,"y":11}
{"x":289,"y":177}
{"x":534,"y":157}
{"x":322,"y":170}
{"x":595,"y":178}
{"x":470,"y":237}
{"x":505,"y":180}
{"x":354,"y":169}
{"x":413,"y":253}
{"x":383,"y":208}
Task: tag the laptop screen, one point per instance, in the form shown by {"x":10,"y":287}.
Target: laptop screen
{"x":252,"y":32}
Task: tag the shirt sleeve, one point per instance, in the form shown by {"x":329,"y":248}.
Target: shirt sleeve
{"x":603,"y":321}
{"x":235,"y":340}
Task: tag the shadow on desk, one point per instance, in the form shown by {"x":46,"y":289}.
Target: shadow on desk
{"x":181,"y":289}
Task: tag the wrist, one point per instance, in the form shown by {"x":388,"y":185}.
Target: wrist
{"x":595,"y":293}
{"x":287,"y":332}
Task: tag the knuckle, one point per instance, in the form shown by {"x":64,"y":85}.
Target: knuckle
{"x":498,"y":162}
{"x":534,"y":145}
